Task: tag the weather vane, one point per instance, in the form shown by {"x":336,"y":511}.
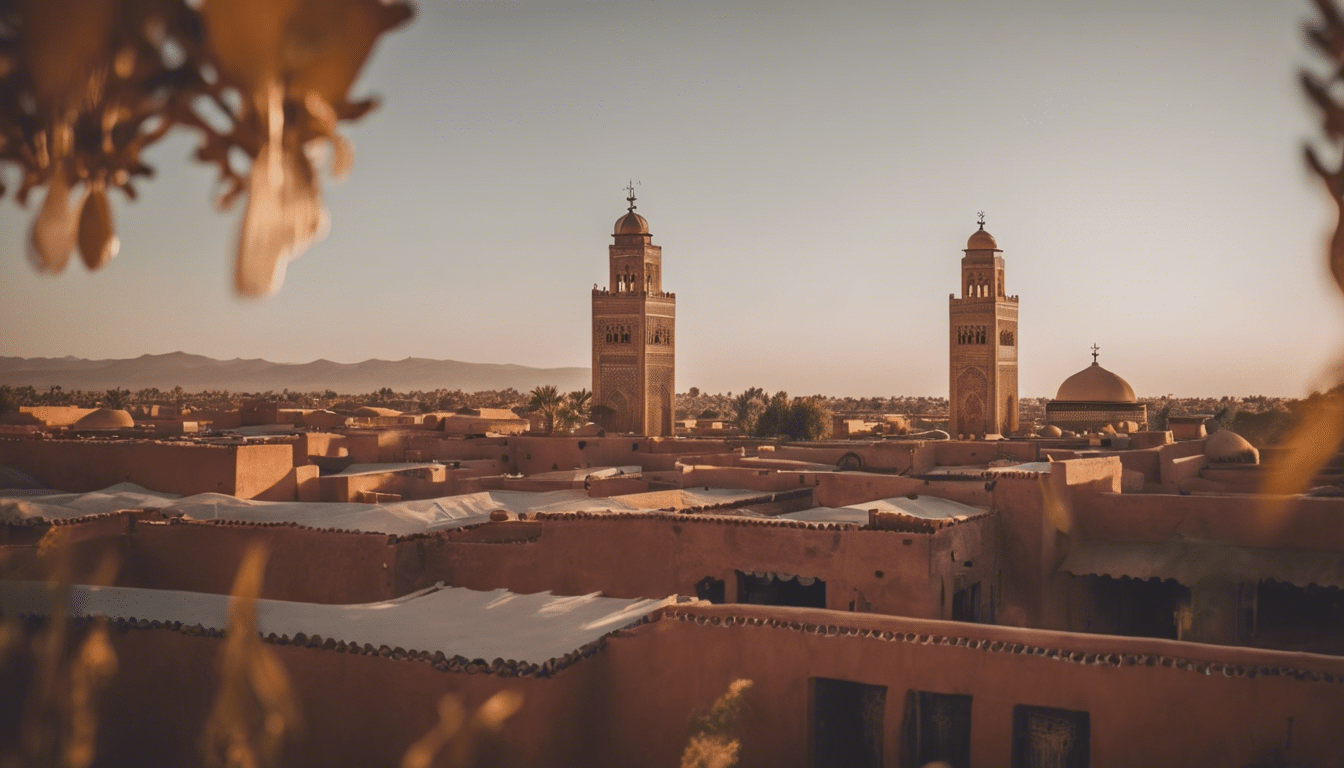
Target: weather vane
{"x":981,"y":214}
{"x":1095,"y":349}
{"x":630,"y":193}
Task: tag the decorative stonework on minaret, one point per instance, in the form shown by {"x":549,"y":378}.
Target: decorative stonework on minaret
{"x":634,"y":325}
{"x":982,"y":397}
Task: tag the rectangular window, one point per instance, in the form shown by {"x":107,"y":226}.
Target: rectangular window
{"x":937,"y":728}
{"x":1044,"y":737}
{"x":847,"y":720}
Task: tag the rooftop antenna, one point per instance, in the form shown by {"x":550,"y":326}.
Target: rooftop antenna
{"x":630,"y":194}
{"x":1095,"y":349}
{"x":981,"y":214}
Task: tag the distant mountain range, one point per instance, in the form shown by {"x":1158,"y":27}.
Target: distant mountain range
{"x":196,"y":372}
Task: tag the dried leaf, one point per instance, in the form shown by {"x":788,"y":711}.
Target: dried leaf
{"x":1311,"y":443}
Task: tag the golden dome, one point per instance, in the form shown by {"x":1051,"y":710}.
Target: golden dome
{"x":1095,"y":384}
{"x":105,"y":418}
{"x":982,"y":241}
{"x":1227,"y":447}
{"x":632,"y":224}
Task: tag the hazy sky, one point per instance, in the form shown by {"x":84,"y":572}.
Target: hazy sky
{"x":811,"y":170}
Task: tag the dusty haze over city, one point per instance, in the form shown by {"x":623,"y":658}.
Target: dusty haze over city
{"x":811,"y":171}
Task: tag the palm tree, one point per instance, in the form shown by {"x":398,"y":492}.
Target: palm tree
{"x":117,"y":399}
{"x":546,"y":402}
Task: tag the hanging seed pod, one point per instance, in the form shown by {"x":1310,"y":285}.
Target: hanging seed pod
{"x":98,"y":242}
{"x":53,"y":232}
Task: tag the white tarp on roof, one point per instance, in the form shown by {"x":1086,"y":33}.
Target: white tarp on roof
{"x":922,"y":507}
{"x":583,"y":473}
{"x":491,"y":625}
{"x":401,"y":518}
{"x":49,"y":505}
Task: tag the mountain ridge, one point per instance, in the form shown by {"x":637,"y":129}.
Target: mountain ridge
{"x":195,"y":373}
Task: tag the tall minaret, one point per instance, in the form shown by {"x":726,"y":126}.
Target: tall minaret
{"x":633,"y":339}
{"x":982,"y":397}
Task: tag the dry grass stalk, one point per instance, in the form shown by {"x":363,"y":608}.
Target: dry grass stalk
{"x":712,"y":743}
{"x":1321,"y":427}
{"x":457,"y":732}
{"x":59,"y":720}
{"x":255,"y":708}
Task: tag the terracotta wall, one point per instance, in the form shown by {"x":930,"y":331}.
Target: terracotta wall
{"x":896,"y":456}
{"x":1304,"y":523}
{"x":745,"y":478}
{"x":186,"y":468}
{"x":970,"y":452}
{"x":638,"y":556}
{"x":1140,"y":714}
{"x":265,"y":472}
{"x":844,"y":489}
{"x":56,"y":415}
{"x":1152,"y":703}
{"x":357,"y":710}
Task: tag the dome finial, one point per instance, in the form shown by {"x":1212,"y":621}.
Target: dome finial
{"x":630,"y":194}
{"x":981,"y":214}
{"x":1095,"y":350}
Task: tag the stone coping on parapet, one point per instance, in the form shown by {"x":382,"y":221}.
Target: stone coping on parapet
{"x":453,"y":628}
{"x":633,"y":294}
{"x":981,"y":299}
{"x":1067,"y":647}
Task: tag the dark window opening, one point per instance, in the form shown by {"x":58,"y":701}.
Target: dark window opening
{"x":847,"y":723}
{"x":966,"y":603}
{"x":1137,"y":607}
{"x":711,"y":589}
{"x":1044,"y":737}
{"x":1302,"y":618}
{"x":768,"y":589}
{"x":937,"y":728}
{"x":850,"y":462}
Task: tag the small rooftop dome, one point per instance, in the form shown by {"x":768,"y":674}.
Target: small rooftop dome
{"x":105,"y":418}
{"x":370,"y":411}
{"x":632,"y":224}
{"x":982,"y":241}
{"x":1227,"y":447}
{"x":1050,"y":430}
{"x":1095,"y":384}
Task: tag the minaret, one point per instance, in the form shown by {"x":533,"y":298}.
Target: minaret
{"x":982,"y":336}
{"x":633,"y":335}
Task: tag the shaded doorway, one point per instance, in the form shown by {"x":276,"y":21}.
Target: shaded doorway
{"x":966,"y":603}
{"x":780,"y":589}
{"x":847,"y":723}
{"x":1137,"y":607}
{"x":937,"y":727}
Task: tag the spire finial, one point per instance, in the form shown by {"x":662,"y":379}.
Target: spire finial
{"x":981,"y":215}
{"x":630,"y":194}
{"x":1095,"y":350}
